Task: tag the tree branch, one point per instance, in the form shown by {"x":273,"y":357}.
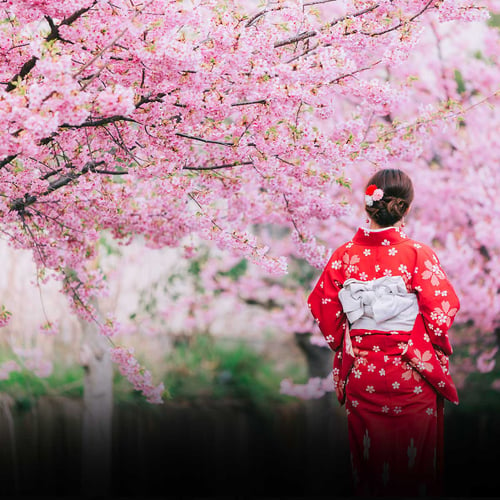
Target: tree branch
{"x":356,"y":14}
{"x":352,"y":73}
{"x":26,"y":68}
{"x":207,"y":141}
{"x":147,"y":98}
{"x":7,"y":160}
{"x":54,"y":34}
{"x":316,"y":2}
{"x":297,"y":38}
{"x":100,"y":122}
{"x":100,"y":53}
{"x":217,"y":167}
{"x":255,"y":18}
{"x":400,"y":24}
{"x":20,"y":204}
{"x":247,"y":103}
{"x":309,"y":34}
{"x":298,"y":56}
{"x":111,"y":172}
{"x":71,"y":19}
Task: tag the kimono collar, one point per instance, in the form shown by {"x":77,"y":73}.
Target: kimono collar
{"x":375,"y":237}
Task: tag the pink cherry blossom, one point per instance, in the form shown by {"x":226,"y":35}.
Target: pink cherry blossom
{"x":7,"y":367}
{"x":139,"y":377}
{"x":486,"y":361}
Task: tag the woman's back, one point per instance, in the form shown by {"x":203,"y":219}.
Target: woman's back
{"x":384,"y":305}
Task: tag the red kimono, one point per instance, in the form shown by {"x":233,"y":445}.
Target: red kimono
{"x":392,"y":377}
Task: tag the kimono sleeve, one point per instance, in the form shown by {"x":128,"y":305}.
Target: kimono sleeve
{"x":437,"y":299}
{"x":325,"y":305}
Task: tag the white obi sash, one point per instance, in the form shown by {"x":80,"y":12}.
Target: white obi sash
{"x":382,"y":304}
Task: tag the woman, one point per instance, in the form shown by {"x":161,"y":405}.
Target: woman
{"x":384,"y":305}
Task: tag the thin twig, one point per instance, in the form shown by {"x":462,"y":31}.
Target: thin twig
{"x":316,"y":2}
{"x":309,"y":34}
{"x":446,"y":117}
{"x":298,"y":56}
{"x":356,"y":14}
{"x":201,"y":139}
{"x":111,"y":44}
{"x":100,"y":53}
{"x":297,"y":38}
{"x":217,"y":167}
{"x":247,"y":103}
{"x":352,"y":73}
{"x":400,"y":24}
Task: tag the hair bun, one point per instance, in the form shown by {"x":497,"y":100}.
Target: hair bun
{"x":398,"y":196}
{"x":396,"y":207}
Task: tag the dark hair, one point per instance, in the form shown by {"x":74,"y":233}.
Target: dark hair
{"x":398,"y":195}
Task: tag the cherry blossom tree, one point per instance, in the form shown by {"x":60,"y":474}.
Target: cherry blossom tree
{"x":178,"y":121}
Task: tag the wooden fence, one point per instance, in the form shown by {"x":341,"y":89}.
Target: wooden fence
{"x":216,"y":448}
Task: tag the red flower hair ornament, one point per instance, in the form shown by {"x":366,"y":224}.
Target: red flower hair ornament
{"x":373,"y":193}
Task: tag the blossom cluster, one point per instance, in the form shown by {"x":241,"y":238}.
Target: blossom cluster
{"x":315,"y":388}
{"x":7,"y":367}
{"x":4,"y":316}
{"x":138,"y":376}
{"x":34,"y":360}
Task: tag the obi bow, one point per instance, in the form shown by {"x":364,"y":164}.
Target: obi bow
{"x":382,"y":304}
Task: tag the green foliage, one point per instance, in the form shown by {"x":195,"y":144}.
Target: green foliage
{"x":148,"y":301}
{"x":202,"y":367}
{"x":108,"y":246}
{"x":459,"y":79}
{"x":301,"y":272}
{"x":494,"y":20}
{"x":194,"y":267}
{"x":343,"y":181}
{"x":199,"y":367}
{"x":26,"y":387}
{"x":237,"y":271}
